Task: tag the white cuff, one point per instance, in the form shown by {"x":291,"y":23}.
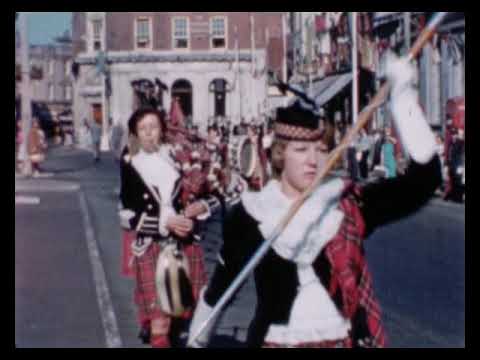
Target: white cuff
{"x":165,"y":213}
{"x":414,"y":132}
{"x":125,"y":216}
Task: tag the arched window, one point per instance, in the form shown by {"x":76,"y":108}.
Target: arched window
{"x":183,"y":90}
{"x":219,"y":89}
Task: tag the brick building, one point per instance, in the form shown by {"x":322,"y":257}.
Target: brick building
{"x":217,"y":63}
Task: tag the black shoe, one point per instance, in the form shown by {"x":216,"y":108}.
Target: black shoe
{"x":145,"y":335}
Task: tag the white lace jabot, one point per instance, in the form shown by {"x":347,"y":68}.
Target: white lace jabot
{"x":314,"y":224}
{"x":314,"y":317}
{"x":156,"y":169}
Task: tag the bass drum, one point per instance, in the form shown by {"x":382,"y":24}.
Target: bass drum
{"x":241,"y":155}
{"x":172,"y":281}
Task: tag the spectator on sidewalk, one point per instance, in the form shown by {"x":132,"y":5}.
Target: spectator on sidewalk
{"x":363,"y":150}
{"x":353,"y":157}
{"x":456,"y":167}
{"x":96,"y":133}
{"x":18,"y":142}
{"x":441,"y":155}
{"x":116,"y":140}
{"x":150,"y":206}
{"x":313,"y":285}
{"x":389,"y":161}
{"x":376,"y":150}
{"x":37,"y":146}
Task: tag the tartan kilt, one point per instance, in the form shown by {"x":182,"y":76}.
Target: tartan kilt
{"x":127,"y":269}
{"x":145,"y":296}
{"x":343,"y":343}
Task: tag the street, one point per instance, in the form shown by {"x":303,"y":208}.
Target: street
{"x":69,"y":291}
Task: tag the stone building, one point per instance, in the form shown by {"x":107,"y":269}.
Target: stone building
{"x":218,"y":63}
{"x":50,"y":71}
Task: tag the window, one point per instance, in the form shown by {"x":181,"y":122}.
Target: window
{"x":51,"y":92}
{"x":68,"y":66}
{"x":68,"y":92}
{"x":97,"y":34}
{"x":142,"y":33}
{"x":218,"y":33}
{"x":180,"y":33}
{"x":51,"y":67}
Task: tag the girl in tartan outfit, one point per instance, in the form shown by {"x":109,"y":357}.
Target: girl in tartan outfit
{"x":150,"y":207}
{"x":313,"y":286}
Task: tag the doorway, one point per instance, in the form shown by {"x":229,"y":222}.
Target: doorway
{"x":183,"y":90}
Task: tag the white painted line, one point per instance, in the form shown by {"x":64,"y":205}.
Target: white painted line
{"x":112,"y":334}
{"x":27,"y":200}
{"x":52,"y":187}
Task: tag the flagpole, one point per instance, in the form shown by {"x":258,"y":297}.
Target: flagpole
{"x":354,"y":69}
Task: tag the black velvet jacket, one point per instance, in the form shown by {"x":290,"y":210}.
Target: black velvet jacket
{"x":144,"y":200}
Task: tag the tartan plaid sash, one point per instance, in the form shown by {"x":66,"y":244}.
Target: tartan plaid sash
{"x":349,"y":281}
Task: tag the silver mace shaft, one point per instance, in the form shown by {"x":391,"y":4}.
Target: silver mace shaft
{"x":363,"y":118}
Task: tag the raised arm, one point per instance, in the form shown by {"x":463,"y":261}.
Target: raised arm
{"x":392,"y":199}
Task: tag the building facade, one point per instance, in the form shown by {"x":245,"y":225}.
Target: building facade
{"x":50,"y":74}
{"x":217,"y":64}
{"x":320,"y":47}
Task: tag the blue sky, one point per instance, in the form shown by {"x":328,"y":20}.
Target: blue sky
{"x":44,"y":27}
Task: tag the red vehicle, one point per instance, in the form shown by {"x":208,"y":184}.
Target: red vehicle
{"x":456,"y":160}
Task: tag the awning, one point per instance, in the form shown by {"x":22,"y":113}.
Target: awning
{"x":327,"y":88}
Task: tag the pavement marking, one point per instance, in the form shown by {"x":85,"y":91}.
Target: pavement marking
{"x":47,"y":187}
{"x":27,"y":200}
{"x":112,"y":334}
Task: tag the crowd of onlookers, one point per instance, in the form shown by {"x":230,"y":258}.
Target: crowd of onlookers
{"x":372,"y":155}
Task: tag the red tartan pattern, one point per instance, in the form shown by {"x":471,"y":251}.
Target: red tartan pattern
{"x":127,"y":269}
{"x":349,"y":272}
{"x":328,"y":344}
{"x":145,"y":291}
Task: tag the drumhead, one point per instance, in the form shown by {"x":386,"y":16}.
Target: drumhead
{"x":242,"y":155}
{"x":247,"y":158}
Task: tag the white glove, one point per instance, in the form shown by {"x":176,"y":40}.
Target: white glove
{"x":202,"y":312}
{"x":414,"y":132}
{"x":400,"y":73}
{"x":125,"y":216}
